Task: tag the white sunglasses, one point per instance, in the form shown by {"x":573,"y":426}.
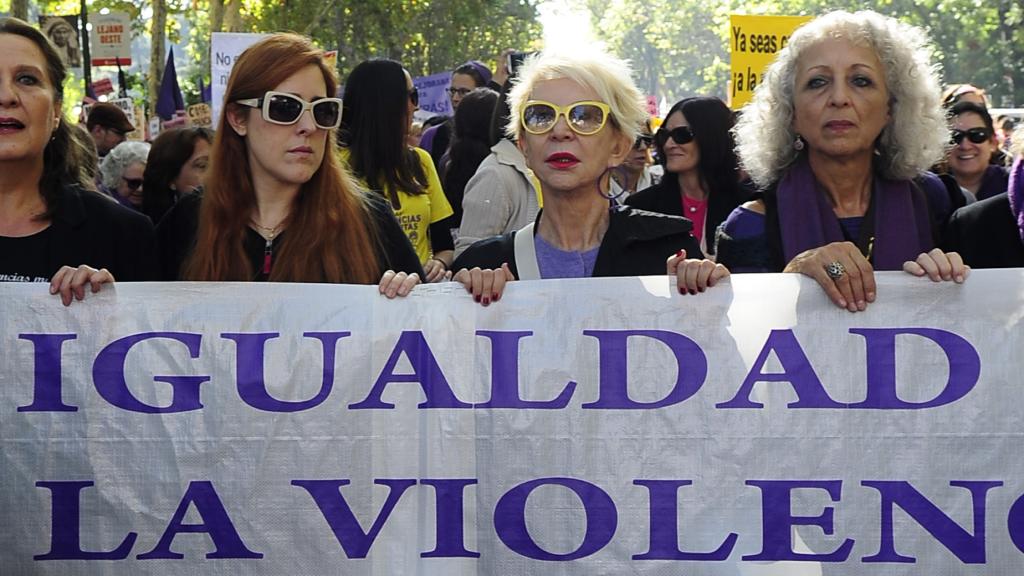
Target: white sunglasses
{"x":286,"y":109}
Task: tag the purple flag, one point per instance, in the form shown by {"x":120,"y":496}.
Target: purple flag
{"x":169,"y":101}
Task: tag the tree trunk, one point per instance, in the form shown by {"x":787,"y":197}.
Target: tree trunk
{"x":233,"y":16}
{"x":156,"y":54}
{"x":216,"y":16}
{"x":19,"y":9}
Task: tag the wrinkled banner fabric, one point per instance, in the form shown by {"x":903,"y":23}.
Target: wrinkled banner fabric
{"x":575,"y":427}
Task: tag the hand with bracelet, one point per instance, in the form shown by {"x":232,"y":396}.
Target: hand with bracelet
{"x":437,"y":266}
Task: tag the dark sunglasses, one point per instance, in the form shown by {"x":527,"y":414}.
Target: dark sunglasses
{"x":976,"y":135}
{"x":414,"y":96}
{"x":680,"y":135}
{"x":643,"y":141}
{"x":133,"y":183}
{"x":286,"y":109}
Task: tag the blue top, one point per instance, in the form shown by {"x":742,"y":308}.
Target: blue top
{"x":555,"y":263}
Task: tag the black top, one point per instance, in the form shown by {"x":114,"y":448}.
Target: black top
{"x":986,"y":235}
{"x":666,"y":198}
{"x":87,"y":228}
{"x":637,"y":243}
{"x":177,"y":233}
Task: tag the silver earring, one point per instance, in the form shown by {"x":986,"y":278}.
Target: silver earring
{"x":798,"y":144}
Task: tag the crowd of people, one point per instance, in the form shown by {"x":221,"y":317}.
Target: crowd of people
{"x":851,"y":158}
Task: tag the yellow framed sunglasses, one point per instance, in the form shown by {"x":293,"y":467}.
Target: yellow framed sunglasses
{"x":584,"y":118}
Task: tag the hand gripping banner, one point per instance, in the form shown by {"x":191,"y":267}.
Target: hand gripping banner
{"x":575,"y":427}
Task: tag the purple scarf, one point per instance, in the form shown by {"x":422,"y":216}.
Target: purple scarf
{"x":1016,"y":193}
{"x":807,"y":219}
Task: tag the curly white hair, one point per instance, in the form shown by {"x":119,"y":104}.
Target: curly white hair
{"x":119,"y":159}
{"x":916,"y":135}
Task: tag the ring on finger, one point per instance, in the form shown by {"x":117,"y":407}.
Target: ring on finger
{"x":835,"y":270}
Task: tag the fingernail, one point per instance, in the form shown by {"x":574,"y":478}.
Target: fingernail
{"x":861,"y":305}
{"x":700,"y":290}
{"x":678,"y":254}
{"x":871,"y":296}
{"x":477,"y":298}
{"x":682,"y":291}
{"x":842,"y":303}
{"x":487,"y":301}
{"x":495,"y":297}
{"x":959,"y":279}
{"x":693,"y":292}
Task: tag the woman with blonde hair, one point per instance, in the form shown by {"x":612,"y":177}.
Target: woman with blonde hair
{"x":575,"y":117}
{"x":277,"y":205}
{"x":847,"y":117}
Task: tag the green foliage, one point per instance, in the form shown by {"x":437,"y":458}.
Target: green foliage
{"x":680,"y":47}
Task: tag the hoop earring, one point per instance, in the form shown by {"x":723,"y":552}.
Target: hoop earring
{"x":798,"y":144}
{"x":608,"y":196}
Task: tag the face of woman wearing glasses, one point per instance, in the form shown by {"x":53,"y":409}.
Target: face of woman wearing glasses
{"x":679,"y":158}
{"x":284,"y":154}
{"x":968,"y":159}
{"x":462,"y":84}
{"x":129,"y":186}
{"x":564,"y":160}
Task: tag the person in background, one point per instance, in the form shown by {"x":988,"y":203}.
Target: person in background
{"x":1005,"y":125}
{"x":990,"y":233}
{"x":379,"y":103}
{"x":577,"y":117}
{"x":53,"y":228}
{"x":108,"y":125}
{"x":702,"y":174}
{"x":470,"y":145}
{"x":466,"y":78}
{"x":973,"y":144}
{"x":177,"y":163}
{"x":415,"y":133}
{"x":503,"y":195}
{"x":635,"y":173}
{"x":122,"y":171}
{"x":847,"y":116}
{"x":963,"y":93}
{"x":276,"y":204}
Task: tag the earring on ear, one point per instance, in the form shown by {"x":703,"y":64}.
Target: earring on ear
{"x":798,"y":144}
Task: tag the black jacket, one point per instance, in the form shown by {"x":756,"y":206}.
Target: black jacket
{"x":665,"y":198}
{"x":637,"y":243}
{"x":90,"y":228}
{"x":986,"y":235}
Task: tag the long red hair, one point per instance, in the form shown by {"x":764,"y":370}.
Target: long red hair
{"x":331,"y":234}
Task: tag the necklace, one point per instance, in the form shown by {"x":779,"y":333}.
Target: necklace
{"x":267,"y":231}
{"x":268,"y":234}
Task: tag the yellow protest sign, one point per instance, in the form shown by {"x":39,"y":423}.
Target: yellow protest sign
{"x":753,"y":43}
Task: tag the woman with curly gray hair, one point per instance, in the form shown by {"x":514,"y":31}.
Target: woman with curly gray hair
{"x":122,"y":170}
{"x":847,"y":116}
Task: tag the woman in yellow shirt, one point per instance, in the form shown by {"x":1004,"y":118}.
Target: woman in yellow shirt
{"x":378,"y":106}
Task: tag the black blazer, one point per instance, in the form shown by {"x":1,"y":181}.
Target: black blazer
{"x":665,"y":198}
{"x":94,"y":229}
{"x":986,"y":235}
{"x":637,"y":243}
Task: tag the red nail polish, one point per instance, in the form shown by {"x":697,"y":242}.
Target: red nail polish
{"x":477,"y":298}
{"x":679,"y":254}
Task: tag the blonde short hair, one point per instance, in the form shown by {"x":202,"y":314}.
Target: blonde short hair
{"x":916,"y":136}
{"x":610,"y":77}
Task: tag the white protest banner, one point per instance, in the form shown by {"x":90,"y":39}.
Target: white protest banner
{"x":110,"y":39}
{"x":575,"y":427}
{"x":433,"y":92}
{"x":224,"y":48}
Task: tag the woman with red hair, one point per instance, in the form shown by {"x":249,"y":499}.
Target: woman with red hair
{"x":277,"y":205}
